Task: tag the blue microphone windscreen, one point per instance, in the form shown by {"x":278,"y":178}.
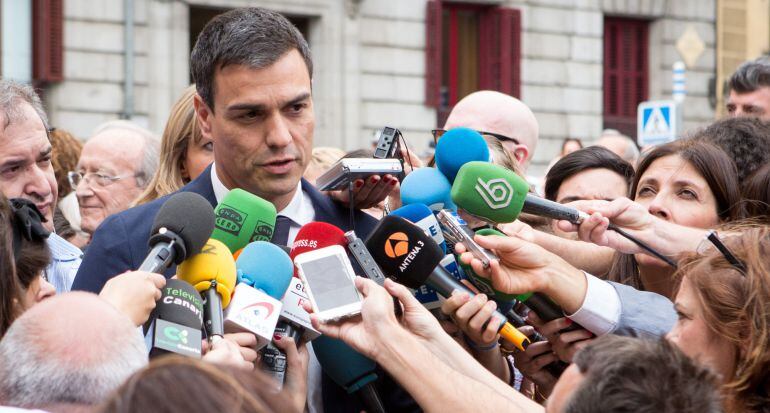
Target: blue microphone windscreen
{"x":413,"y":212}
{"x":423,"y":217}
{"x":457,"y":147}
{"x":266,"y":267}
{"x":427,"y":186}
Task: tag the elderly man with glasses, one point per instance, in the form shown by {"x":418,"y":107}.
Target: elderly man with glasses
{"x":500,"y":116}
{"x":114,"y":168}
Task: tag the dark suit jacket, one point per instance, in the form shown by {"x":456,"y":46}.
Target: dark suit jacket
{"x":120,"y":244}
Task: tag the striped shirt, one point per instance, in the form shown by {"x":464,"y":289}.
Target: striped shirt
{"x":65,"y":261}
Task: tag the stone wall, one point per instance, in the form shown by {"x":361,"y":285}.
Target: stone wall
{"x":370,"y":61}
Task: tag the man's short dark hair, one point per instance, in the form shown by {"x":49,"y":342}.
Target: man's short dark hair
{"x":751,"y":76}
{"x":592,"y":157}
{"x":745,"y":139}
{"x":252,"y":36}
{"x":625,"y":374}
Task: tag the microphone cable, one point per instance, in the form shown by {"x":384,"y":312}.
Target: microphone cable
{"x":642,"y":245}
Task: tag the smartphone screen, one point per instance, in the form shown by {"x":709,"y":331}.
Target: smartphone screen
{"x":329,"y":282}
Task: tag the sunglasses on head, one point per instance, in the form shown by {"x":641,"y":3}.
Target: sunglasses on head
{"x":438,"y":133}
{"x":714,"y":239}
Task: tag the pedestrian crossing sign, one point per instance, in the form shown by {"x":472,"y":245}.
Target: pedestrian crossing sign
{"x":657,"y":122}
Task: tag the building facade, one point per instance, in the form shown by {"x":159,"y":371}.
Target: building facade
{"x":581,"y":65}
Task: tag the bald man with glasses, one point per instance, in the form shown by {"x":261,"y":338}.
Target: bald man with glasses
{"x":500,"y":116}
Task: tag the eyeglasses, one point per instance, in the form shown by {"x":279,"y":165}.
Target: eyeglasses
{"x":713,"y":238}
{"x":438,"y":133}
{"x":102,"y":180}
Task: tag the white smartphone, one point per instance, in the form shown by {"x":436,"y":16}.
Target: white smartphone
{"x":328,"y":278}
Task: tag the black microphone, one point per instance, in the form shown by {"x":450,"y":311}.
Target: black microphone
{"x":412,"y":258}
{"x":182,"y":226}
{"x":175,"y":323}
{"x":546,"y":208}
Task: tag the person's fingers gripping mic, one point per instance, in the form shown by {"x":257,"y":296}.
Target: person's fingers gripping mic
{"x":533,"y":362}
{"x":212,"y":273}
{"x":411,"y":257}
{"x":134,"y":293}
{"x":472,"y":315}
{"x":457,"y":147}
{"x":484,"y":284}
{"x":427,"y":186}
{"x":181,"y":228}
{"x":241,"y":218}
{"x":226,"y":352}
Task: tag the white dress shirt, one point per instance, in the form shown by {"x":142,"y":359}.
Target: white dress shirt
{"x":600,"y":311}
{"x":300,"y":210}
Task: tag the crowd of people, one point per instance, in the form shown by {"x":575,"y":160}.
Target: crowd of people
{"x":684,"y":331}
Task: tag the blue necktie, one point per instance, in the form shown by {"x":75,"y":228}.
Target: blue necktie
{"x":281,"y":231}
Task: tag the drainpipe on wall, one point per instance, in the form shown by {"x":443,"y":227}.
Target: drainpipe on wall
{"x":128,"y":61}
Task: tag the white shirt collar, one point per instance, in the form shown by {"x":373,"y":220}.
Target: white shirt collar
{"x":300,"y":208}
{"x":220,"y":190}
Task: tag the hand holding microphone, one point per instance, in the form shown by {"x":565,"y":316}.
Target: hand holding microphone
{"x":525,"y":267}
{"x":565,"y":343}
{"x":412,"y":258}
{"x":666,"y":237}
{"x":295,"y":380}
{"x":472,"y":314}
{"x":496,"y":194}
{"x":366,"y":334}
{"x":134,"y":294}
{"x":532,"y":363}
{"x":229,"y":351}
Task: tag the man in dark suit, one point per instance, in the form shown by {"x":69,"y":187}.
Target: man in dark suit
{"x":252,"y":70}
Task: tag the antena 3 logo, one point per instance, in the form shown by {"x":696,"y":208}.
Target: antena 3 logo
{"x":230,"y":220}
{"x":497,"y":193}
{"x":397,"y":245}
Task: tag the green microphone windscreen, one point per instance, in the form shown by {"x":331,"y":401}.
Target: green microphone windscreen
{"x":241,"y":218}
{"x":489,"y":192}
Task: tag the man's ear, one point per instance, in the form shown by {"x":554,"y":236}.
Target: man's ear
{"x":521,"y":153}
{"x":204,"y":114}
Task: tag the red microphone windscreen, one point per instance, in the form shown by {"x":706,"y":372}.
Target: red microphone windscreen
{"x":316,"y":235}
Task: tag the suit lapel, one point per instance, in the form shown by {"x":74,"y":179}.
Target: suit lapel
{"x":325,"y":209}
